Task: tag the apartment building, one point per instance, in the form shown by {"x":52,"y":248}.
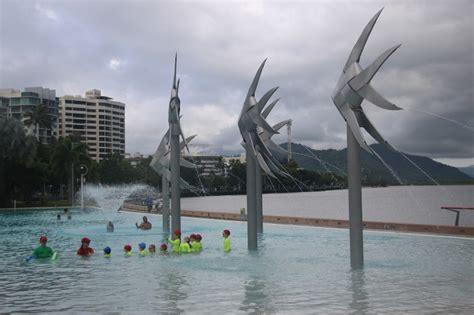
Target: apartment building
{"x":97,"y":119}
{"x":15,"y":103}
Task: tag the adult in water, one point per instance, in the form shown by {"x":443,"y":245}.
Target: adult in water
{"x":145,"y":225}
{"x":43,"y":251}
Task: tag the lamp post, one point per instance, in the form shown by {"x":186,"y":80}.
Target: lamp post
{"x":84,"y":170}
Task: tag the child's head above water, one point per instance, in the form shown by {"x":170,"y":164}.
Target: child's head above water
{"x":152,"y":248}
{"x":192,"y":237}
{"x":142,"y":246}
{"x":163,"y":247}
{"x":85,"y":242}
{"x":226,"y":233}
{"x":198,"y":237}
{"x":43,"y":240}
{"x":107,"y":250}
{"x":127,"y":248}
{"x":177,"y":233}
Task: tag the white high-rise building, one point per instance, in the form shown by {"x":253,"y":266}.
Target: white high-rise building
{"x":97,"y":119}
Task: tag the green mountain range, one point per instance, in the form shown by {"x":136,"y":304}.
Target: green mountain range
{"x":374,"y":172}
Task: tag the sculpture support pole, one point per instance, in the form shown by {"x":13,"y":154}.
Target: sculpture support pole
{"x":355,"y":201}
{"x":175,"y":175}
{"x":251,"y":200}
{"x":166,"y":204}
{"x":259,"y":201}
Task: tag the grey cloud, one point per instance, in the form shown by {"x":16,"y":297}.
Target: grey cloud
{"x":220,"y":47}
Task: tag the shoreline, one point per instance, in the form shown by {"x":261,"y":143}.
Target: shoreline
{"x":317,"y":222}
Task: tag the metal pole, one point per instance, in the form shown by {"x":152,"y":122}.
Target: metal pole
{"x":251,"y":200}
{"x":457,"y":219}
{"x":82,"y":191}
{"x":175,"y":175}
{"x":72,"y":184}
{"x":166,"y":205}
{"x":355,"y":201}
{"x":259,"y":201}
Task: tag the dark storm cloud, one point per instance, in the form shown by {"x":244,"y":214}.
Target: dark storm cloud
{"x":126,"y":48}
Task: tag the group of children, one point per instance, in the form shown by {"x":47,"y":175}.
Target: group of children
{"x":190,"y":244}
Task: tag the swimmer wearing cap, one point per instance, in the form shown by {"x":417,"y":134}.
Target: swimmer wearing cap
{"x":43,"y":251}
{"x":127,"y":249}
{"x":226,"y":235}
{"x":107,"y":252}
{"x":142,"y":250}
{"x":175,"y":241}
{"x":184,"y":246}
{"x":85,"y":250}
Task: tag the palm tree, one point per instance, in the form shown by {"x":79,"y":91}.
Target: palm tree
{"x":66,"y":159}
{"x":39,"y":117}
{"x":17,"y":150}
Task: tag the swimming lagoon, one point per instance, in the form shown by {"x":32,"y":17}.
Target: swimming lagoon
{"x":297,"y":269}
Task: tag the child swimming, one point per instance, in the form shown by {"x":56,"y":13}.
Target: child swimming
{"x":127,"y":249}
{"x":163,"y":249}
{"x":85,"y":250}
{"x":142,"y":250}
{"x":226,"y":235}
{"x":42,"y":251}
{"x":175,"y":241}
{"x":107,"y":252}
{"x":184,"y":246}
{"x":152,"y":249}
{"x":198,"y":244}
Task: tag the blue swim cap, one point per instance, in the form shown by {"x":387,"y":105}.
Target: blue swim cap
{"x":142,"y":245}
{"x":107,"y":250}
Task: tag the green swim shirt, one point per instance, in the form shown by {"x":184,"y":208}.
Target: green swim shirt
{"x":43,"y":252}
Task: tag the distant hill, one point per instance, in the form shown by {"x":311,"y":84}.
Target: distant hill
{"x":469,"y":170}
{"x":373,"y":170}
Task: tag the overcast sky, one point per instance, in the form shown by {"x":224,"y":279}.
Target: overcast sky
{"x":126,"y":49}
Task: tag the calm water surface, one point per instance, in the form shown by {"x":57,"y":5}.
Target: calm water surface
{"x":297,"y":270}
{"x":399,"y":204}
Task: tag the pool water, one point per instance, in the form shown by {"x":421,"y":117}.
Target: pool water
{"x":297,"y":269}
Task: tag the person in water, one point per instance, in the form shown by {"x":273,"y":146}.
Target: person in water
{"x":163,"y":249}
{"x":226,"y":235}
{"x":110,"y":227}
{"x":85,"y":250}
{"x":175,"y":241}
{"x":107,"y":252}
{"x":58,"y":217}
{"x":145,"y":225}
{"x":184,"y":246}
{"x":192,"y":242}
{"x":197,"y":246}
{"x":66,"y":213}
{"x":142,"y":249}
{"x":127,"y":249}
{"x":152,"y":249}
{"x":43,"y":251}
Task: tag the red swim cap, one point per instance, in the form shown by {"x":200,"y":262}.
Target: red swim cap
{"x":163,"y":247}
{"x":85,"y":240}
{"x":43,"y":239}
{"x":127,"y":248}
{"x":198,"y":237}
{"x":227,"y":232}
{"x":192,"y":236}
{"x":177,"y":232}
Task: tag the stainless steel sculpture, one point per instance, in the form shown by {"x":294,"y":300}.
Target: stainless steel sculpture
{"x":175,"y":133}
{"x":160,"y":164}
{"x":351,"y":89}
{"x":266,"y":138}
{"x":257,"y":153}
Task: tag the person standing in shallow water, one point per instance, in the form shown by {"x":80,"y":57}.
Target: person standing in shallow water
{"x":85,"y":250}
{"x":226,"y":235}
{"x":145,"y":225}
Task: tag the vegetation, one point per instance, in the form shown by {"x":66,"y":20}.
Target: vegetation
{"x":45,"y":174}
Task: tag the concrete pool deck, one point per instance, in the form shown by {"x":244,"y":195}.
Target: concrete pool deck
{"x":385,"y":226}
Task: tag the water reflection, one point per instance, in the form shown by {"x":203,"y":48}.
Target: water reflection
{"x":169,"y":292}
{"x":255,"y":300}
{"x":360,"y":298}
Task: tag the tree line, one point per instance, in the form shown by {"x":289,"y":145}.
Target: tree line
{"x":32,"y":172}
